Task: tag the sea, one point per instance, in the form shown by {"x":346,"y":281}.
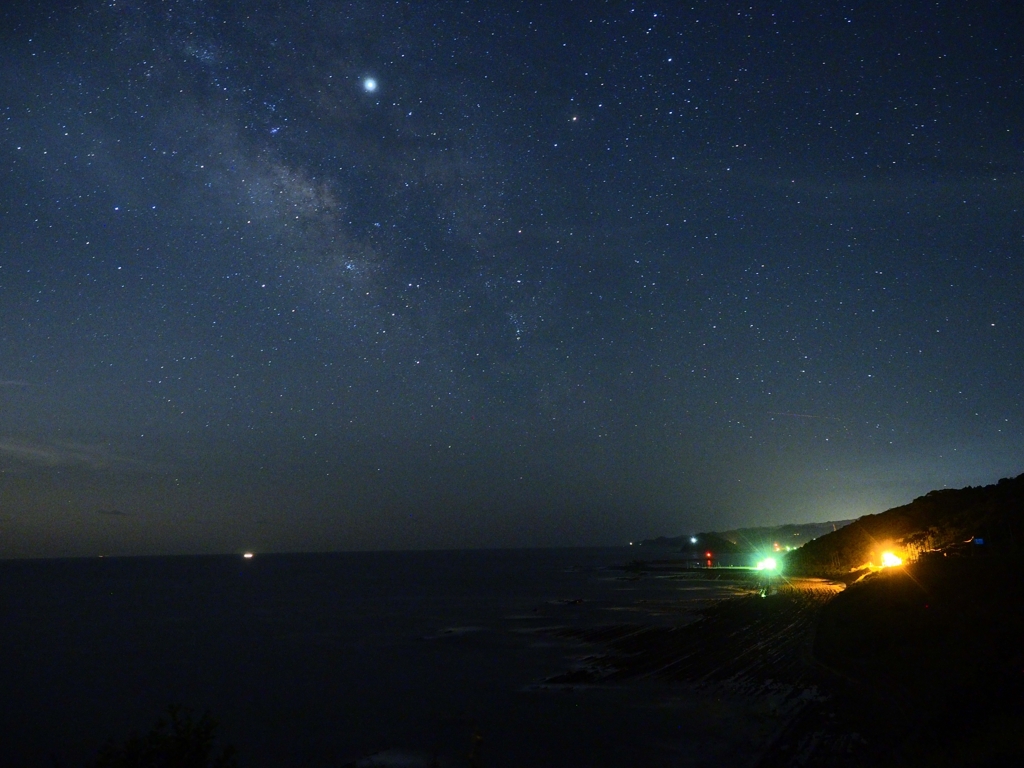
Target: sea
{"x":356,"y":659}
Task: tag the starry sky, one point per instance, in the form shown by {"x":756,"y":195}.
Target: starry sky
{"x":294,"y":276}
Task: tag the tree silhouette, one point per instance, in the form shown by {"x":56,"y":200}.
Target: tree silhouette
{"x":179,"y":741}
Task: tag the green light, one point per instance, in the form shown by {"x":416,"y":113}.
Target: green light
{"x":768,"y":564}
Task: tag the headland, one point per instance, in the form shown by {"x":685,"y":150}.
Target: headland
{"x":895,"y":639}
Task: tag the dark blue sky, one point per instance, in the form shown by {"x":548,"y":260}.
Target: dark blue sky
{"x":291,"y":276}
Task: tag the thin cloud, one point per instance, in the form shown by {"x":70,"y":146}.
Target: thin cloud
{"x":111,"y":513}
{"x":14,"y":383}
{"x":67,"y":454}
{"x":34,"y":453}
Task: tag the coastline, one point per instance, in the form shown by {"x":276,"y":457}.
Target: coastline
{"x":756,"y":652}
{"x":914,"y":666}
{"x":553,"y":658}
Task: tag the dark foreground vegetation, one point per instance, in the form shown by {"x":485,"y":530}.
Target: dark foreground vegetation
{"x":178,"y":740}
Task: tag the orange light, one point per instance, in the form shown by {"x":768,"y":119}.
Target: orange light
{"x":889,"y":560}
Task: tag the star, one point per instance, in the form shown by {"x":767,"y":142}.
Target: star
{"x":706,"y":294}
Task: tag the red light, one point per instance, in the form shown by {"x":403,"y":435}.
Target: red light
{"x":707,"y":554}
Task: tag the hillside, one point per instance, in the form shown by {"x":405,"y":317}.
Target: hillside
{"x":925,"y":659}
{"x":982,"y":519}
{"x":744,"y":540}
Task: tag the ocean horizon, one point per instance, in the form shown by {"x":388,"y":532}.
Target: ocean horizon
{"x":356,"y":658}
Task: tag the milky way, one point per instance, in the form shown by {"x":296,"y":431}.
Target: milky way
{"x":333,"y":275}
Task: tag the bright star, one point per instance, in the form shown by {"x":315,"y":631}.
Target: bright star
{"x":369,"y":84}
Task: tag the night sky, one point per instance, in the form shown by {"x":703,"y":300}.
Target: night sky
{"x":330,"y":275}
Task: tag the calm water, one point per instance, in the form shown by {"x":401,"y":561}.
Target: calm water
{"x":316,"y":660}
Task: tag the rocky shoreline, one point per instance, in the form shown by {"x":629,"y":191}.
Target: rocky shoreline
{"x":845,"y":671}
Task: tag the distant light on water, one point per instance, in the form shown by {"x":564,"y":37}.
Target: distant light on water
{"x":247,"y":555}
